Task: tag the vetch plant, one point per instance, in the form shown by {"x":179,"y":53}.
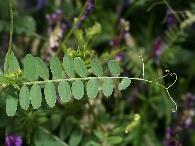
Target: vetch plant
{"x":68,"y":78}
{"x":34,"y":69}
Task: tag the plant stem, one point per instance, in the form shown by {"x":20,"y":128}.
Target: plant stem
{"x":53,"y":136}
{"x":11,"y":25}
{"x":87,"y":78}
{"x":71,"y":30}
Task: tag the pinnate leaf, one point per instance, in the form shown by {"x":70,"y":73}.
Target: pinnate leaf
{"x":24,"y":97}
{"x":107,"y":87}
{"x":80,"y":67}
{"x":92,"y":88}
{"x":35,"y":96}
{"x":50,"y":94}
{"x":64,"y":91}
{"x":114,"y":68}
{"x":78,"y":89}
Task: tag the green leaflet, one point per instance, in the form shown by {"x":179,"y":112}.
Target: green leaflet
{"x":64,"y":91}
{"x":30,"y":72}
{"x":41,"y":68}
{"x":107,"y":87}
{"x":65,"y":129}
{"x":56,"y":69}
{"x":77,"y":89}
{"x":50,"y":94}
{"x":113,"y":140}
{"x":92,"y":88}
{"x":24,"y":97}
{"x":92,"y":143}
{"x":96,"y":67}
{"x":68,"y":65}
{"x":80,"y":67}
{"x":42,"y":137}
{"x":28,"y":25}
{"x":114,"y":68}
{"x":11,"y":105}
{"x":124,"y":84}
{"x":35,"y":96}
{"x":54,"y":120}
{"x":11,"y":63}
{"x":76,"y":137}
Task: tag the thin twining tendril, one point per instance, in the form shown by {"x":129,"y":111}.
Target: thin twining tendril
{"x":143,"y":67}
{"x":168,"y":73}
{"x":167,"y":88}
{"x":164,"y":2}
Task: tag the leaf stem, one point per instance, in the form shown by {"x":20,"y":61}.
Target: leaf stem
{"x":87,"y":78}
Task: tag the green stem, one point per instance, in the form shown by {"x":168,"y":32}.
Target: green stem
{"x":87,"y":78}
{"x":11,"y":25}
{"x":53,"y":136}
{"x":72,"y":29}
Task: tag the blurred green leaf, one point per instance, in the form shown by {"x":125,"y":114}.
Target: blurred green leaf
{"x":76,"y":137}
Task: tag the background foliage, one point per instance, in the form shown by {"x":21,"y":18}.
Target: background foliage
{"x":120,"y":30}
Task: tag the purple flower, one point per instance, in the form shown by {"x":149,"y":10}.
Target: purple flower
{"x":119,"y":57}
{"x":13,"y":140}
{"x":41,"y":4}
{"x":90,"y":6}
{"x":171,"y":20}
{"x":169,"y":133}
{"x":170,"y":138}
{"x":158,"y":46}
